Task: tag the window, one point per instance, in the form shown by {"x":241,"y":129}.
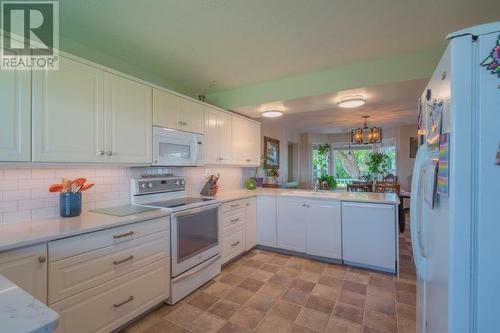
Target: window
{"x":350,"y":160}
{"x":320,"y":160}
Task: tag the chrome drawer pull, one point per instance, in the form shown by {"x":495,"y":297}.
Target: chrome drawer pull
{"x":130,"y":233}
{"x":235,"y":220}
{"x":234,"y":244}
{"x":234,"y":206}
{"x":123,"y":260}
{"x":130,"y":299}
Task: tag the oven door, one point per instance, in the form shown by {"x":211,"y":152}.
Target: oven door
{"x":175,"y":148}
{"x":195,"y":237}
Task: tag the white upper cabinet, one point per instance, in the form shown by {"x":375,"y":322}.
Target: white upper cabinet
{"x":218,"y":146}
{"x":68,"y":113}
{"x":191,"y":116}
{"x":172,"y":111}
{"x":128,"y":120}
{"x":165,"y":109}
{"x":245,"y":141}
{"x":83,"y":114}
{"x":15,"y":116}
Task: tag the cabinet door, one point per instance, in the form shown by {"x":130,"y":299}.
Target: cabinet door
{"x":128,"y":120}
{"x":324,"y":236}
{"x":191,"y":116}
{"x":165,"y":109}
{"x":211,"y":144}
{"x":224,"y":130}
{"x":68,"y":113}
{"x":369,"y":235}
{"x":242,"y":140}
{"x":15,"y":116}
{"x":266,"y":221}
{"x":27,"y":268}
{"x":291,"y":224}
{"x":255,"y":140}
{"x":250,"y":224}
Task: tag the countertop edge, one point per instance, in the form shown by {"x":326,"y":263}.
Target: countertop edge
{"x":17,"y":244}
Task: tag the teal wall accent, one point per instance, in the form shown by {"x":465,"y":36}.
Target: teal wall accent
{"x":121,"y":65}
{"x":417,"y":65}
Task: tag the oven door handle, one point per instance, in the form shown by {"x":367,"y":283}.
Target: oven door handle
{"x":197,"y":210}
{"x":197,"y":269}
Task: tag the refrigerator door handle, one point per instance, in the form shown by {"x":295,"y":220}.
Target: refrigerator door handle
{"x":416,"y":205}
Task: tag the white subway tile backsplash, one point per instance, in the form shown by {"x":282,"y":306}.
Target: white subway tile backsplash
{"x":17,"y":173}
{"x":24,"y":192}
{"x":16,"y":195}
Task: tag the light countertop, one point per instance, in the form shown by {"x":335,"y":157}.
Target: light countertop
{"x":34,"y":232}
{"x":22,"y":313}
{"x":385,"y":198}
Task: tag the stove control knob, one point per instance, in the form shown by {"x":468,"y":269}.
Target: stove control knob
{"x":183,"y":182}
{"x":143,"y":185}
{"x":177,"y":182}
{"x":150,"y":185}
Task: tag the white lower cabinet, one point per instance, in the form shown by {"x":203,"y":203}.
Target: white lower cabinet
{"x":266,"y":221}
{"x":250,"y":223}
{"x":114,"y":303}
{"x":27,"y":268}
{"x":238,"y":228}
{"x":369,"y":235}
{"x":324,"y":229}
{"x":292,"y":224}
{"x":100,"y":280}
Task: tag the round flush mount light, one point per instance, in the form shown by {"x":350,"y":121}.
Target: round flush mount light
{"x":351,"y":101}
{"x":272,"y":114}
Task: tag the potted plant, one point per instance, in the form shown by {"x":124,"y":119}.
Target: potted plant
{"x":378,"y":165}
{"x":272,"y":176}
{"x":327,"y":182}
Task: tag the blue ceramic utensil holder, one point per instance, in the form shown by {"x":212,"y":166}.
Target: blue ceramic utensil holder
{"x":70,"y":204}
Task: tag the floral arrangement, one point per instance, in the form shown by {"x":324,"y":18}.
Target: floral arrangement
{"x":272,"y":173}
{"x":71,"y":186}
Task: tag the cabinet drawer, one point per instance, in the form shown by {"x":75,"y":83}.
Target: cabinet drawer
{"x":233,"y":218}
{"x":72,"y":246}
{"x":232,"y":245}
{"x":233,"y":205}
{"x":116,"y":302}
{"x":84,"y":271}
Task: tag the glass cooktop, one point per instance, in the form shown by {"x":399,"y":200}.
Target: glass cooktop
{"x":178,"y":202}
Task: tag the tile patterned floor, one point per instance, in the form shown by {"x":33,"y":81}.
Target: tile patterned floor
{"x":269,"y":292}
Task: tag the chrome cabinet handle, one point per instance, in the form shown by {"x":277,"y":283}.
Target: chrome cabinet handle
{"x":185,"y":123}
{"x":234,"y":244}
{"x":128,"y":300}
{"x":303,"y":205}
{"x":42,"y":259}
{"x":180,"y":122}
{"x":109,"y":153}
{"x":118,"y":262}
{"x":249,"y":160}
{"x":235,"y":205}
{"x":235,"y":220}
{"x":101,"y":152}
{"x":130,"y":233}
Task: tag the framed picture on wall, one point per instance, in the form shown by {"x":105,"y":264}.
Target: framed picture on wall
{"x":271,"y":153}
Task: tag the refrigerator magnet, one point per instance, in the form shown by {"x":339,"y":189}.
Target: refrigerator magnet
{"x":492,"y":62}
{"x":443,"y":168}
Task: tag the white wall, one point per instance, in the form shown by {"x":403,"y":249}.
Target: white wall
{"x":24,"y":194}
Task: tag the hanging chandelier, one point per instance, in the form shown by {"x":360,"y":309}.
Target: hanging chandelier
{"x":366,"y":135}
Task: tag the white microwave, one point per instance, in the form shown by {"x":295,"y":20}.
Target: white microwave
{"x":176,"y":148}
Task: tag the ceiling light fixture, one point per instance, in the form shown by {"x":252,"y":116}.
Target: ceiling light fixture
{"x":272,"y":114}
{"x":366,"y":135}
{"x":351,"y":101}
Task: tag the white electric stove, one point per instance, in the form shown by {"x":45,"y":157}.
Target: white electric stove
{"x":194,"y":231}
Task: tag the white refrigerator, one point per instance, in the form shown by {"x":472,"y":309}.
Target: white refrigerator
{"x":456,"y":235}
